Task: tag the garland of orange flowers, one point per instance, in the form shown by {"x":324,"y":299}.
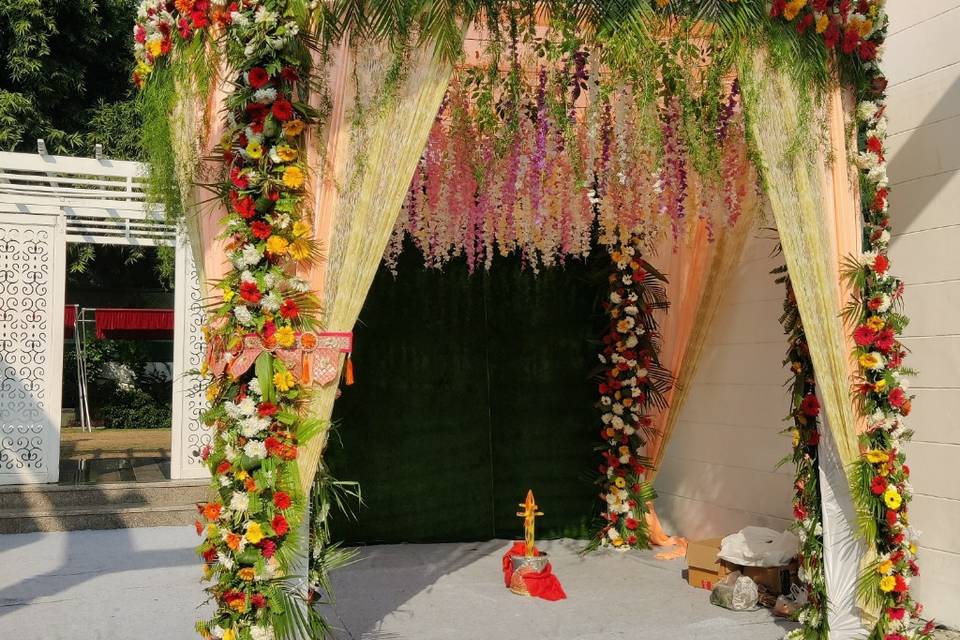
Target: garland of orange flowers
{"x":249,"y":527}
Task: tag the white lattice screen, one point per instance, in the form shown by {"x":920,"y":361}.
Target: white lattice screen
{"x":45,"y":202}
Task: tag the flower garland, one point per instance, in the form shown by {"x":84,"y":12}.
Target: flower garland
{"x":250,"y":527}
{"x":805,"y":435}
{"x":577,"y":165}
{"x":633,"y":383}
{"x":855,"y":31}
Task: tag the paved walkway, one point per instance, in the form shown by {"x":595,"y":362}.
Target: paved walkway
{"x":105,"y":585}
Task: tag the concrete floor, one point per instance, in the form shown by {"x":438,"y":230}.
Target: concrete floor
{"x":127,"y":583}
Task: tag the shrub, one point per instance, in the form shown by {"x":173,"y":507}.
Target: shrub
{"x":135,"y":409}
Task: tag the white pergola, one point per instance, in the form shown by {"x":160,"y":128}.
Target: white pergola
{"x":45,"y":202}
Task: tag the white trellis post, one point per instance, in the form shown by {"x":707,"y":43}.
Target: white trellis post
{"x":32,"y":272}
{"x":189,"y":434}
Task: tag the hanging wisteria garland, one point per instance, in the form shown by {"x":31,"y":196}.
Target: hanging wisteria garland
{"x":546,"y":164}
{"x":805,"y":437}
{"x":633,"y":386}
{"x":259,"y":333}
{"x":855,"y":31}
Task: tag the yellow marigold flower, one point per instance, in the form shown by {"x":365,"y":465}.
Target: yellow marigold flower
{"x":299,"y":249}
{"x":246,"y":574}
{"x":300,"y":229}
{"x":293,"y":128}
{"x":283,"y":381}
{"x":822,"y":23}
{"x":892,"y":498}
{"x":293,"y":177}
{"x":876,"y":323}
{"x":286,"y":153}
{"x":885,"y":568}
{"x":230,"y":634}
{"x":865,"y":27}
{"x":880,"y":385}
{"x":242,"y":475}
{"x":255,"y":150}
{"x":887,"y":583}
{"x":285,"y":337}
{"x":795,"y":434}
{"x":228,"y":295}
{"x":793,"y":8}
{"x":619,"y":541}
{"x":620,"y":482}
{"x":277,"y":245}
{"x":212,"y":392}
{"x":876,"y":456}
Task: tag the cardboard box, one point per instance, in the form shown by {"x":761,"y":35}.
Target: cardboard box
{"x":704,"y":569}
{"x":776,"y":580}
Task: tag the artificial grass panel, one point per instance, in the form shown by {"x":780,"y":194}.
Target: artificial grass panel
{"x":470,"y":390}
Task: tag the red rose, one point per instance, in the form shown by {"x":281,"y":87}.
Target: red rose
{"x":878,"y":485}
{"x":281,"y":500}
{"x":282,"y":109}
{"x":881,"y":263}
{"x":260,"y":229}
{"x":250,"y":292}
{"x":279,"y":524}
{"x":257,"y":77}
{"x":288,"y":309}
{"x":631,"y":523}
{"x":810,"y":406}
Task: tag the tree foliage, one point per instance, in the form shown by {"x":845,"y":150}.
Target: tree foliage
{"x":64,"y":76}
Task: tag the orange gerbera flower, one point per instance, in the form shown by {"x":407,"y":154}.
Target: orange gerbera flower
{"x":233,"y":540}
{"x":212,"y":510}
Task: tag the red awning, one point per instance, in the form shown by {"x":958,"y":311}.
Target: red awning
{"x":69,"y":320}
{"x":154,"y":324}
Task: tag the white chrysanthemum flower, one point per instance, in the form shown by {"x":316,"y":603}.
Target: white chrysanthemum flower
{"x":253,"y":426}
{"x":269,"y":280}
{"x":299,"y":285}
{"x":243,"y":315}
{"x":255,"y":449}
{"x":240,"y":501}
{"x":232,"y":410}
{"x":631,"y":341}
{"x":230,"y":453}
{"x":264,"y":16}
{"x":247,"y":276}
{"x":254,"y":387}
{"x":618,"y":408}
{"x":239,"y":19}
{"x":247,"y":406}
{"x":282,"y":221}
{"x":866,"y":110}
{"x":271,"y":302}
{"x":615,"y":297}
{"x":251,"y":255}
{"x":266,"y":95}
{"x":261,"y":633}
{"x":631,"y":310}
{"x":225,"y":561}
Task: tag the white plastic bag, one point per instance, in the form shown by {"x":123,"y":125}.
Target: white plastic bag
{"x":759,"y":547}
{"x":736,"y":592}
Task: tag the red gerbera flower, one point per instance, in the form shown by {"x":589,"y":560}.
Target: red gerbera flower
{"x":245,"y":206}
{"x":631,"y":523}
{"x":281,"y":500}
{"x":258,"y":600}
{"x":288,"y":309}
{"x":250,"y":292}
{"x":257,"y":77}
{"x":886,"y":339}
{"x":268,"y":548}
{"x":256,"y":111}
{"x":850,"y":41}
{"x":864,"y":335}
{"x":897,"y":397}
{"x":810,"y":406}
{"x":867,"y":50}
{"x":881,"y":263}
{"x":260,"y":229}
{"x":874,"y":145}
{"x":210,"y":555}
{"x":267,"y":409}
{"x":279,"y":525}
{"x":223,"y":467}
{"x":239,"y":180}
{"x":282,"y":109}
{"x":878,"y":485}
{"x":289,"y":74}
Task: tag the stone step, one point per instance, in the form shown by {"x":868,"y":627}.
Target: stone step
{"x":95,"y":517}
{"x":167,"y":493}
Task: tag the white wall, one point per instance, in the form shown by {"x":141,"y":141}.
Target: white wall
{"x":923,"y":66}
{"x":719,"y":473}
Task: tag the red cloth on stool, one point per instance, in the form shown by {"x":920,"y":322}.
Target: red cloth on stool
{"x":542,"y":584}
